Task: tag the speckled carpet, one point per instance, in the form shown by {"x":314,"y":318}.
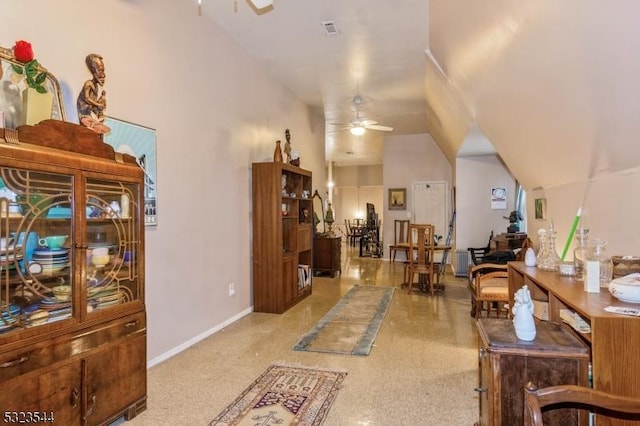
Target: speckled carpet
{"x":352,"y":325}
{"x":284,"y":396}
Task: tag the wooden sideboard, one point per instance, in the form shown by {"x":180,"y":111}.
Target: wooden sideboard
{"x":326,"y":255}
{"x":507,"y":364}
{"x":614,"y":340}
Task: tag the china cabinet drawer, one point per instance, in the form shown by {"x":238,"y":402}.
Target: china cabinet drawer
{"x":84,"y":390}
{"x":34,"y":357}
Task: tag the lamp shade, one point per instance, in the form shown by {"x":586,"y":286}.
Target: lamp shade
{"x":357,"y":131}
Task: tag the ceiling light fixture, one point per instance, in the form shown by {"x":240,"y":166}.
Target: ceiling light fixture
{"x":357,"y":130}
{"x":261,"y":4}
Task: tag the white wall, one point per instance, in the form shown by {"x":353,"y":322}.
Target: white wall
{"x":215,"y":113}
{"x":355,"y":186}
{"x":408,"y":159}
{"x":475,"y":176}
{"x":555,"y":88}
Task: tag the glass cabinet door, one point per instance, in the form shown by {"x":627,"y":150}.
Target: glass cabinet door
{"x":112,"y":246}
{"x":36,"y":279}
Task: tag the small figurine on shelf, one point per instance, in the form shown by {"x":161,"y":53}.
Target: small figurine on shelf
{"x":304,"y":215}
{"x":523,"y":322}
{"x":92,"y":100}
{"x":287,"y":145}
{"x":295,"y":158}
{"x":513,"y":219}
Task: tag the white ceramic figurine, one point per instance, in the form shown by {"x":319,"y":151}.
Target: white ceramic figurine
{"x":523,"y":321}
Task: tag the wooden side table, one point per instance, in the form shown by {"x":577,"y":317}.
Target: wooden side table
{"x":506,"y":365}
{"x":326,"y":255}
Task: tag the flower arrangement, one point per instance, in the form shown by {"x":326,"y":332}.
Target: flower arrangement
{"x":34,"y":76}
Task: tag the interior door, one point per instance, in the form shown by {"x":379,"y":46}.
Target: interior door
{"x":430,"y":206}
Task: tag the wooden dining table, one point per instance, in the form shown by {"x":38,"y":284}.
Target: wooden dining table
{"x":441,"y":265}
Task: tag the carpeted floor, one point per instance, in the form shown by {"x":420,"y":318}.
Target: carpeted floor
{"x":351,"y":326}
{"x":285,"y":396}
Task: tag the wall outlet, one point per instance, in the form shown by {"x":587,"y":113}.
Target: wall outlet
{"x":232,"y":289}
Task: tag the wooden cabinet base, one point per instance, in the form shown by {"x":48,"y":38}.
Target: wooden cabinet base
{"x":95,"y":382}
{"x":326,"y":255}
{"x":506,"y":365}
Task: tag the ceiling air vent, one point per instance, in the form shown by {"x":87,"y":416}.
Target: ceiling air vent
{"x":330,"y":28}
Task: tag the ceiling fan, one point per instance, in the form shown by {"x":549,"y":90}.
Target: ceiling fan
{"x":359,"y":125}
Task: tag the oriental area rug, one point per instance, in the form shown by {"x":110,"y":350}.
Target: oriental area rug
{"x":351,"y":326}
{"x":284,"y":396}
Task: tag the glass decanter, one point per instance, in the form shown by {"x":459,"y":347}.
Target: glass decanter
{"x":551,"y":259}
{"x":542,"y":252}
{"x":581,"y":252}
{"x":598,"y":252}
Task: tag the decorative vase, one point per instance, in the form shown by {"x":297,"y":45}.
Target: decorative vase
{"x":35,"y":106}
{"x":277,"y":153}
{"x":124,"y":206}
{"x":530,"y":257}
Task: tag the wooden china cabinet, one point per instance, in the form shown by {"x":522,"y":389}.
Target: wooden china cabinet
{"x":72,"y":312}
{"x":282,"y":236}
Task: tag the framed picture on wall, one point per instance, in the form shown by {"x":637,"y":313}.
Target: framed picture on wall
{"x":540,"y":205}
{"x":139,"y":142}
{"x":397,"y":199}
{"x":499,"y":198}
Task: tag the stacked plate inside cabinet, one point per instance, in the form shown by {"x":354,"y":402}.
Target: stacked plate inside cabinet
{"x":57,"y":310}
{"x":8,"y":257}
{"x":103,"y":296}
{"x":51,"y":260}
{"x":8,"y":316}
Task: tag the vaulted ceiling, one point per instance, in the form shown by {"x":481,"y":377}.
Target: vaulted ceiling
{"x":552,"y":85}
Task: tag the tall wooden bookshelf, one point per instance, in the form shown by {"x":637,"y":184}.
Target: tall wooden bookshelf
{"x":282,"y":236}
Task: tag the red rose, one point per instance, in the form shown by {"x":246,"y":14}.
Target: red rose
{"x":23,"y":51}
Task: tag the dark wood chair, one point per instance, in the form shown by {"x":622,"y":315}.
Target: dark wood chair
{"x":565,"y":396}
{"x":478,"y":253}
{"x":353,"y":232}
{"x":400,"y":239}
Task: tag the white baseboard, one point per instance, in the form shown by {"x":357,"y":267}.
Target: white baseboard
{"x":165,"y":356}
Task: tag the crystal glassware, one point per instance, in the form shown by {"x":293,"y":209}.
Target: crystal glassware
{"x":598,"y":252}
{"x":551,"y":259}
{"x":581,"y":252}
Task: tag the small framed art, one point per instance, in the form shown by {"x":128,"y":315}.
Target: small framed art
{"x":397,"y":198}
{"x":540,"y":205}
{"x":139,"y":142}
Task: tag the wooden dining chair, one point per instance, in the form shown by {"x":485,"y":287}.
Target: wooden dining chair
{"x":400,"y":239}
{"x":573,"y":396}
{"x":489,"y":284}
{"x":420,"y":261}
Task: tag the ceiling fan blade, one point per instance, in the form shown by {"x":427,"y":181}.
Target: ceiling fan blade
{"x":377,"y":127}
{"x":367,"y":123}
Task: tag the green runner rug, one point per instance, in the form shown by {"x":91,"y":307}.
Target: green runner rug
{"x":351,"y":326}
